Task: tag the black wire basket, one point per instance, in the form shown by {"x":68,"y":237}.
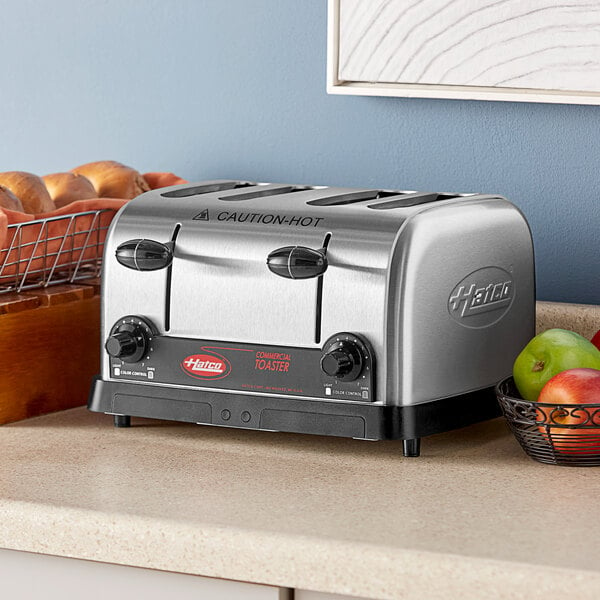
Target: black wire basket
{"x":52,"y":251}
{"x":556,"y":434}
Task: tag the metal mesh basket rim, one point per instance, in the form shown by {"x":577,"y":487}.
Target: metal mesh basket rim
{"x":37,"y":256}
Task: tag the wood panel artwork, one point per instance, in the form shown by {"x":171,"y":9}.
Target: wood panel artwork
{"x":535,"y":45}
{"x":49,"y":349}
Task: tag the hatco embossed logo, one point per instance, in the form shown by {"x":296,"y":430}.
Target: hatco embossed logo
{"x":482,"y":298}
{"x":206,"y":366}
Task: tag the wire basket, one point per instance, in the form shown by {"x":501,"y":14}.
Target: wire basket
{"x":557,"y":434}
{"x":61,"y":249}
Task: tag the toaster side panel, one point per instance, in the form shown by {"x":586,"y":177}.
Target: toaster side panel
{"x":461,"y":300}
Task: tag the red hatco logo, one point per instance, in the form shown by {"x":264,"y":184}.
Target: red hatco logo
{"x":206,"y":366}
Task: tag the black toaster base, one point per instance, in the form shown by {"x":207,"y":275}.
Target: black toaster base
{"x":267,"y":413}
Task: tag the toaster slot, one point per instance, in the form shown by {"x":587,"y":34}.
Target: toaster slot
{"x":407,"y":200}
{"x":394,"y":193}
{"x":206,"y":188}
{"x":260,"y":193}
{"x":345,"y":198}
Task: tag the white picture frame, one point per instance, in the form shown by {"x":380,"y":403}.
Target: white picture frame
{"x":372,"y":86}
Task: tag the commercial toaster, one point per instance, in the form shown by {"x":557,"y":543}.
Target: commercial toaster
{"x":363,"y":313}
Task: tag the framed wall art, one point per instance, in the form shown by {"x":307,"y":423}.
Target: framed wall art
{"x":515,"y":50}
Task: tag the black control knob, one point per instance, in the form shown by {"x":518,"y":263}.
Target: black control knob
{"x":342,"y":360}
{"x":128,"y":341}
{"x":121,"y":345}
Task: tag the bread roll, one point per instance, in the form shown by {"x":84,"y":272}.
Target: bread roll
{"x":65,"y":188}
{"x":29,"y":189}
{"x":113,"y":180}
{"x":9,"y":200}
{"x":160,"y":180}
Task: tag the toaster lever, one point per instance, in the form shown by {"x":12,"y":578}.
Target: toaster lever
{"x":145,"y":255}
{"x":297,"y":262}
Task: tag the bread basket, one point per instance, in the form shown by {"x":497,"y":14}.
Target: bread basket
{"x":63,"y":246}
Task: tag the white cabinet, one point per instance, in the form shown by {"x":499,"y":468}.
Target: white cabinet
{"x":27,"y":576}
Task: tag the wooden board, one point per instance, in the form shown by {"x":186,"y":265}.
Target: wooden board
{"x":532,"y":50}
{"x":49,"y":350}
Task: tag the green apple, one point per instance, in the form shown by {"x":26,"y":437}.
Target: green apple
{"x":548,"y":354}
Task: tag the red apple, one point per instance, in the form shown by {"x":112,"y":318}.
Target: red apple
{"x":596,"y":339}
{"x":573,"y":387}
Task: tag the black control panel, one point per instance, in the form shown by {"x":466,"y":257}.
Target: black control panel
{"x":342,"y":369}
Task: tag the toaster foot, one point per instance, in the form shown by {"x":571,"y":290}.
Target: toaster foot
{"x":122,"y":421}
{"x":411,"y":447}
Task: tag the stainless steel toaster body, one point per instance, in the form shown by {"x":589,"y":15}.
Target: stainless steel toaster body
{"x":366,"y":313}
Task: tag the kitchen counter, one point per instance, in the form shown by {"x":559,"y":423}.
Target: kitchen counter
{"x":472,"y":518}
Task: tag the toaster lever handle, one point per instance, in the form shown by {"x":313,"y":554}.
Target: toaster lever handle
{"x":297,"y":262}
{"x":145,"y":255}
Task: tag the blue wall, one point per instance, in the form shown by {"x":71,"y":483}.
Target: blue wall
{"x":236,"y":88}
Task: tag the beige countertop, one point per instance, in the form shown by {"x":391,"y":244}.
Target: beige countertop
{"x":472,"y":518}
{"x":582,"y":318}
